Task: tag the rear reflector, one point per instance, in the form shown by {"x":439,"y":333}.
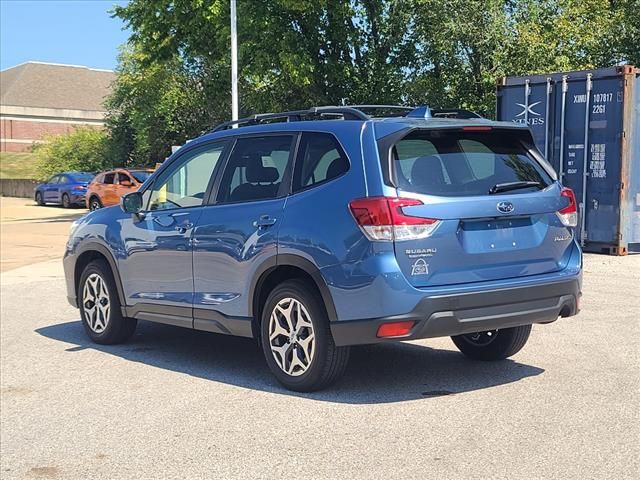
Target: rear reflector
{"x":382,"y":219}
{"x":395,"y":329}
{"x":569,"y":214}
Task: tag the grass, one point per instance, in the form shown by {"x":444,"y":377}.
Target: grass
{"x":18,"y":165}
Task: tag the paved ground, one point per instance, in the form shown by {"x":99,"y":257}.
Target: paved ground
{"x":31,"y":234}
{"x":179,"y":404}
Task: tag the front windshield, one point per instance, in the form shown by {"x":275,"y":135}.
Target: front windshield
{"x":140,"y":175}
{"x":82,"y":177}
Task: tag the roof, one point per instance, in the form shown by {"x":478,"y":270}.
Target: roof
{"x":49,"y":85}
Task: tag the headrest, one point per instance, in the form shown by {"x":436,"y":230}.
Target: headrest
{"x":337,"y":166}
{"x":427,"y":171}
{"x":258,"y":173}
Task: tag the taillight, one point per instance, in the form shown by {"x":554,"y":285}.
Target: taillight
{"x":569,"y":214}
{"x":382,"y":219}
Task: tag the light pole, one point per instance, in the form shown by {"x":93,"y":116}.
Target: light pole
{"x":234,"y":63}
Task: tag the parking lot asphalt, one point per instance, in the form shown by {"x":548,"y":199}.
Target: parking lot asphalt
{"x":30,"y":233}
{"x":174,"y":403}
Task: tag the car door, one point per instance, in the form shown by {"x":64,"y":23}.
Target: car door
{"x":237,"y":233}
{"x":51,"y":189}
{"x":61,"y":187}
{"x":107,"y":190}
{"x":157,"y":265}
{"x":125,"y":185}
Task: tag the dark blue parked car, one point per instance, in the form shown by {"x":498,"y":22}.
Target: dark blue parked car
{"x":66,"y":189}
{"x":336,"y":228}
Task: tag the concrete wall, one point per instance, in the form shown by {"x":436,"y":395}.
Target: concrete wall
{"x":17,"y":188}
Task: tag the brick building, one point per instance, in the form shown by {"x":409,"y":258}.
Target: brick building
{"x":39,"y":99}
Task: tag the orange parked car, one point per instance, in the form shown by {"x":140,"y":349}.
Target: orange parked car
{"x":107,"y":188}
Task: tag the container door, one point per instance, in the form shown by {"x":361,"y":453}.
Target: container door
{"x":587,"y":139}
{"x":530,"y":104}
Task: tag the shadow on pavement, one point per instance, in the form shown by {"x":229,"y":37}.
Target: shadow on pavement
{"x":385,"y":373}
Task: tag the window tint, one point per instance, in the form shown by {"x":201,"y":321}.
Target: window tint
{"x":458,"y":163}
{"x":185,"y":184}
{"x":320,"y":159}
{"x":123,"y":178}
{"x":82,"y":177}
{"x":255,"y":169}
{"x":109,"y":178}
{"x":140,"y":175}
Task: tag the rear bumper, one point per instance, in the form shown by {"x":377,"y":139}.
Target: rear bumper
{"x":460,"y":313}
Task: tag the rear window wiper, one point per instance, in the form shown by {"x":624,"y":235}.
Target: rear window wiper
{"x":506,"y":187}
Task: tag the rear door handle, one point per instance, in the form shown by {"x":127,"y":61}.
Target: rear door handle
{"x":264,"y":221}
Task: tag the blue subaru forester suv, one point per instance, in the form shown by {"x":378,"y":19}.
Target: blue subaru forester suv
{"x":333,"y":228}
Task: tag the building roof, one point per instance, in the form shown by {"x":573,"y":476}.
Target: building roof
{"x":49,"y":85}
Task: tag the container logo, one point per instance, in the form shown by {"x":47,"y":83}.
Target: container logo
{"x":505,"y":207}
{"x":533,"y":117}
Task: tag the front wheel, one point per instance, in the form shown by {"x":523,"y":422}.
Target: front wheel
{"x":100,"y":306}
{"x":493,"y":344}
{"x":297,"y":341}
{"x":39,"y":200}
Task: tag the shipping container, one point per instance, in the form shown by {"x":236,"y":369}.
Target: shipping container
{"x":587,"y":124}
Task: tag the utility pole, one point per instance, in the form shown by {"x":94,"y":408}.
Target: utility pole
{"x":234,"y":63}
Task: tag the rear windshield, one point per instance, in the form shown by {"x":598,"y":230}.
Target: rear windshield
{"x":140,"y":175}
{"x":82,"y":177}
{"x":465,"y":163}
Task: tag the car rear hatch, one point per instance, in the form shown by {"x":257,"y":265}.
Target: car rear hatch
{"x":491,"y":203}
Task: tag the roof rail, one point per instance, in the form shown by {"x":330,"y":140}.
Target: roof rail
{"x":351,"y":112}
{"x":348,"y":113}
{"x":396,"y":110}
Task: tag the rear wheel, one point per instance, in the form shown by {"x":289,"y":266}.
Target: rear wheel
{"x":100,"y":306}
{"x":94,"y":203}
{"x":297,"y":341}
{"x":493,"y":344}
{"x":39,"y":200}
{"x":66,"y":202}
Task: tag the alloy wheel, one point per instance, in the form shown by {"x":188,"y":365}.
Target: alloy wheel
{"x":96,"y":303}
{"x":291,"y":337}
{"x":481,"y":339}
{"x":95,"y":204}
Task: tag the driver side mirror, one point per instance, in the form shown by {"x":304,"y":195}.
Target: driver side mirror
{"x":131,"y":202}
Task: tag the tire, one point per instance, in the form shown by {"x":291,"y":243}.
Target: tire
{"x":39,"y":200}
{"x":105,"y":326}
{"x":94,"y":203}
{"x":66,"y":201}
{"x":493,"y":345}
{"x":307,"y":365}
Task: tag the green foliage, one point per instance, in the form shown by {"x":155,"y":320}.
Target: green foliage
{"x":174,"y":77}
{"x":85,"y":149}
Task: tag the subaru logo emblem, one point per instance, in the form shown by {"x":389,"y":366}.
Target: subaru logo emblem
{"x":505,"y":207}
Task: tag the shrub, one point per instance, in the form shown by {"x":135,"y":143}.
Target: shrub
{"x":85,"y":149}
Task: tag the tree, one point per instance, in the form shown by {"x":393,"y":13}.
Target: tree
{"x":85,"y":149}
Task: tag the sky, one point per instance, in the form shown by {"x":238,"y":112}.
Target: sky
{"x":76,"y":32}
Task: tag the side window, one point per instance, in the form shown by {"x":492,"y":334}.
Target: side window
{"x":320,"y":159}
{"x":481,"y":160}
{"x":123,"y":179}
{"x":62,"y":179}
{"x":255,"y":169}
{"x":109,"y":178}
{"x":185,"y":184}
{"x":54,"y":179}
